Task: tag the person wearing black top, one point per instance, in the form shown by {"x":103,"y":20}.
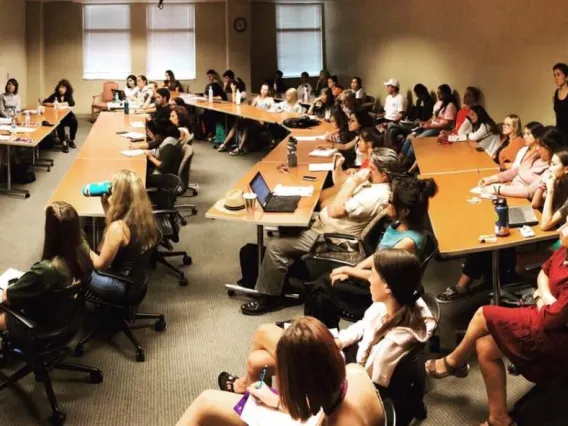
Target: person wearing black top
{"x":171,"y":83}
{"x":228,"y":81}
{"x":166,"y":158}
{"x":560,"y":72}
{"x":161,"y":117}
{"x":278,"y":84}
{"x":63,"y":96}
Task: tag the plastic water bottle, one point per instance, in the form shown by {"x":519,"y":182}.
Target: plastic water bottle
{"x":97,"y":189}
{"x":210,"y":94}
{"x":126,"y":106}
{"x":116,"y":97}
{"x":13,"y":129}
{"x":292,"y":147}
{"x":238,"y":97}
{"x":55,"y":103}
{"x":27,"y":119}
{"x":501,"y":217}
{"x":306,"y":94}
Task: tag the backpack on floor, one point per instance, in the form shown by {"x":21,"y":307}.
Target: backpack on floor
{"x":21,"y":174}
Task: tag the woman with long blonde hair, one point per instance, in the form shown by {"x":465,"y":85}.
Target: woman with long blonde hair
{"x":131,"y":230}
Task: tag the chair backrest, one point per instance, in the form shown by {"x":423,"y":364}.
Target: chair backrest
{"x":430,"y":250}
{"x":372,"y":233}
{"x":185,"y":168}
{"x":165,"y":190}
{"x":108,"y":87}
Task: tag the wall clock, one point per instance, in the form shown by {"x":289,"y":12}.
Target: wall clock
{"x":240,"y":24}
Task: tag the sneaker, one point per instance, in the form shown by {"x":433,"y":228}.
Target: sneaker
{"x":222,"y":148}
{"x":237,"y":151}
{"x":72,"y":144}
{"x":452,"y":295}
{"x":64,"y":148}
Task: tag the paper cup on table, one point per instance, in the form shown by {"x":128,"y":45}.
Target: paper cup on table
{"x":250,"y":203}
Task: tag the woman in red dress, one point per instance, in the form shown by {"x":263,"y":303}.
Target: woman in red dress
{"x":534,"y":339}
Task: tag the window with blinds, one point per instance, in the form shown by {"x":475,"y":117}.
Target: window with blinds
{"x":171,"y":41}
{"x":106,"y":42}
{"x":299,"y":38}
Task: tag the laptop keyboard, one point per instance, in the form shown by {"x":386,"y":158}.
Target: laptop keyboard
{"x":283,"y":203}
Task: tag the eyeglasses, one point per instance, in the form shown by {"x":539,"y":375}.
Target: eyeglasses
{"x":506,"y":125}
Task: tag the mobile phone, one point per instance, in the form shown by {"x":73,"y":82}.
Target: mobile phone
{"x":121,"y":133}
{"x":309,"y":178}
{"x":479,"y":149}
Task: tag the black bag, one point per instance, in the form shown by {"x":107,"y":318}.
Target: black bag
{"x":47,"y":142}
{"x":304,"y":122}
{"x":21,"y":174}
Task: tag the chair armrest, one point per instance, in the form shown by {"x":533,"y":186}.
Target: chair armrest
{"x":119,"y":277}
{"x":100,"y":95}
{"x":165,"y":211}
{"x":338,"y":235}
{"x":18,"y":316}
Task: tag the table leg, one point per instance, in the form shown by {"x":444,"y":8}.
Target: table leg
{"x":9,"y":190}
{"x":496,"y":279}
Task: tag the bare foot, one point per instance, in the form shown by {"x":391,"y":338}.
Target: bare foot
{"x":240,"y":385}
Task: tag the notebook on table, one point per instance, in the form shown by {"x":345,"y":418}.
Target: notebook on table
{"x":270,"y":202}
{"x":520,"y":216}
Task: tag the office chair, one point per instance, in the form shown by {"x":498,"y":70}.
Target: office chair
{"x":184,"y":173}
{"x":119,"y":314}
{"x":164,"y":189}
{"x":45,"y":348}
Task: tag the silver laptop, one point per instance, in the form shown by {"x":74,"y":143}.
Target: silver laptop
{"x":520,"y":216}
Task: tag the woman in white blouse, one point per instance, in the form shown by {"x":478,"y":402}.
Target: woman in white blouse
{"x":131,"y":90}
{"x":290,"y":104}
{"x":481,"y":128}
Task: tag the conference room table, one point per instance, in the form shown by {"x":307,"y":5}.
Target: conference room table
{"x":32,"y":140}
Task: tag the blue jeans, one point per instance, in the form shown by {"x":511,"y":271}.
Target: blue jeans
{"x":407,"y":151}
{"x":107,"y":288}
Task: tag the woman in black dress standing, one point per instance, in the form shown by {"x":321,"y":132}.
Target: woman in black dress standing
{"x":560,"y":72}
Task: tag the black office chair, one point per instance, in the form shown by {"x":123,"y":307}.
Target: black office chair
{"x":184,"y":174}
{"x":120,"y":314}
{"x":163,"y":192}
{"x":45,"y":348}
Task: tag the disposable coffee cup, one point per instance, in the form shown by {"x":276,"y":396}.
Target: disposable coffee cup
{"x":250,"y":203}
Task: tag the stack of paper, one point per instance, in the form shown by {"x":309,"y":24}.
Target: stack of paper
{"x":325,"y":153}
{"x":18,"y":129}
{"x":133,"y":152}
{"x":457,"y":138}
{"x":138,"y":124}
{"x":133,"y":135}
{"x":302,"y":191}
{"x":320,"y":167}
{"x":10,"y":274}
{"x":5,"y":120}
{"x":257,"y":414}
{"x":5,"y":137}
{"x":309,"y":138}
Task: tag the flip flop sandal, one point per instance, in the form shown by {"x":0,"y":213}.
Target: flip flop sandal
{"x":459,"y":372}
{"x":227,"y":381}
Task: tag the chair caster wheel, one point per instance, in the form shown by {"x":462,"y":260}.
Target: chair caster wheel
{"x":96,"y":377}
{"x":230,"y":293}
{"x":57,"y":418}
{"x":49,"y":169}
{"x":183,"y":282}
{"x":183,"y":222}
{"x":187,"y":260}
{"x":160,"y":325}
{"x":194,"y":212}
{"x":140,"y":357}
{"x":79,"y":351}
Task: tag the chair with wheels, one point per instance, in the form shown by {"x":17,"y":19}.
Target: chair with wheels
{"x":163,"y":193}
{"x":101,"y":100}
{"x":43,"y":348}
{"x":184,"y":173}
{"x":118,"y":315}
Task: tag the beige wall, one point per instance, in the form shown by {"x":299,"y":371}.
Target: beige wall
{"x":13,"y":44}
{"x":62,"y":53}
{"x":507,"y":48}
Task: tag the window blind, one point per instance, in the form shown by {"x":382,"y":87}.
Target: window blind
{"x":171,"y":41}
{"x":106,"y":42}
{"x":299,"y":38}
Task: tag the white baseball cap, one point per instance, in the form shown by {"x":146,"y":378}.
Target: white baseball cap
{"x":392,"y":82}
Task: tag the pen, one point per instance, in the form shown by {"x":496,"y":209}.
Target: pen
{"x":262,"y":375}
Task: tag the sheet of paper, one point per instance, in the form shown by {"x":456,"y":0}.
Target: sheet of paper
{"x":309,"y":138}
{"x":9,"y":275}
{"x":138,"y":124}
{"x":4,"y":137}
{"x":132,"y":152}
{"x":18,"y":129}
{"x":325,"y":153}
{"x":256,"y":414}
{"x":302,"y":191}
{"x":5,"y":120}
{"x":114,"y":105}
{"x":320,"y":167}
{"x":133,"y":135}
{"x":476,"y":190}
{"x":457,"y":138}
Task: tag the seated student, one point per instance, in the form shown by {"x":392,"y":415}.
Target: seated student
{"x":471,"y":97}
{"x":523,"y":181}
{"x":243,"y":126}
{"x":394,"y":323}
{"x":319,"y":385}
{"x":161,"y":114}
{"x":336,"y":89}
{"x":64,"y":262}
{"x":167,"y":157}
{"x":552,"y":195}
{"x":347,"y":102}
{"x":395,"y":104}
{"x":356,"y":87}
{"x":481,"y":128}
{"x":512,"y":141}
{"x":443,"y":119}
{"x":361,"y":197}
{"x":305,"y":88}
{"x":171,"y":83}
{"x":346,"y":288}
{"x":322,"y":82}
{"x":420,"y":112}
{"x":228,"y":82}
{"x":277,"y":84}
{"x":290,"y":103}
{"x":131,"y":229}
{"x":10,"y":101}
{"x":347,"y":142}
{"x":142,"y":85}
{"x":323,"y":105}
{"x":179,"y":117}
{"x":147,"y":98}
{"x":131,"y":90}
{"x":63,"y":96}
{"x":238,"y":85}
{"x":211,"y":117}
{"x":534,"y":339}
{"x":340,"y":123}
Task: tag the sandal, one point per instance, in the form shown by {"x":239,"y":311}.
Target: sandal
{"x":227,"y":381}
{"x":452,"y":294}
{"x":459,"y":372}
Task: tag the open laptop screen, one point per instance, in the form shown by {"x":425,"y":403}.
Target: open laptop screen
{"x":260,"y":188}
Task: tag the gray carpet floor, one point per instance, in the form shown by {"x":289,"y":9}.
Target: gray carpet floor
{"x":205,"y":334}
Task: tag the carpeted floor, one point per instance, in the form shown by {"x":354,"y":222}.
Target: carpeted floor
{"x":206,"y":333}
